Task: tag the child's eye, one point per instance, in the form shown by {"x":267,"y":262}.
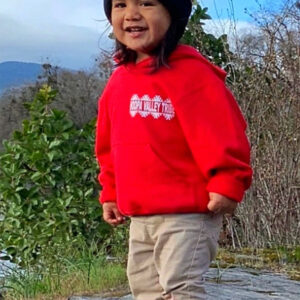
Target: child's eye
{"x":119,"y":4}
{"x":147,"y":3}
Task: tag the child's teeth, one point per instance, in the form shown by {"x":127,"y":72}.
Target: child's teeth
{"x":136,"y":29}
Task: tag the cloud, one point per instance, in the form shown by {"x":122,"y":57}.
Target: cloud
{"x":71,"y":46}
{"x":233,"y":30}
{"x":226,"y":26}
{"x":73,"y":12}
{"x":68,"y":33}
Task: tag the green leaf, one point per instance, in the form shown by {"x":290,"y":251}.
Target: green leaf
{"x":73,"y":210}
{"x":50,"y":180}
{"x":89,"y":192}
{"x":36,"y":176}
{"x":55,"y":143}
{"x":68,"y":201}
{"x":51,"y":155}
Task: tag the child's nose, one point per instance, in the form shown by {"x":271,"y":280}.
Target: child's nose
{"x":132,"y":13}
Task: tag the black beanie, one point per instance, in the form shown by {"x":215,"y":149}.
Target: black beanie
{"x":179,"y":10}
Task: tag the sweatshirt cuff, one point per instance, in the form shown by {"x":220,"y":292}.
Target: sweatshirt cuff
{"x":226,"y":186}
{"x":107,"y":196}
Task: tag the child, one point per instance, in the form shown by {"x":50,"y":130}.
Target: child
{"x":172,"y":149}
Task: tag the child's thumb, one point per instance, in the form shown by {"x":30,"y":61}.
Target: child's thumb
{"x":213,"y":205}
{"x":117,"y":214}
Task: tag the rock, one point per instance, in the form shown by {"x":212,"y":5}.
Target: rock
{"x":249,"y":284}
{"x":238,"y":284}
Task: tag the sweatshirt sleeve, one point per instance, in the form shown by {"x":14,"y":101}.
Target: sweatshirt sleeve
{"x":215,"y":131}
{"x":103,"y":153}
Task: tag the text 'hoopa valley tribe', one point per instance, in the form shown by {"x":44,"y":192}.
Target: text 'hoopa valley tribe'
{"x":155,"y":107}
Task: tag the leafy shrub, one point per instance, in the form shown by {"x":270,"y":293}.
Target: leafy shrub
{"x":214,"y":48}
{"x":48,"y":196}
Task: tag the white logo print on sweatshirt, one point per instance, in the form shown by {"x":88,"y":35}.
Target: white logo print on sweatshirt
{"x":156,"y":107}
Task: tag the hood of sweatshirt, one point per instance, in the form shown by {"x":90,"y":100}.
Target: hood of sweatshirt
{"x":182,"y":52}
{"x":190,"y":53}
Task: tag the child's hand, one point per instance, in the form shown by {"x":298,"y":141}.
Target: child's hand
{"x":220,"y":204}
{"x":111,"y":214}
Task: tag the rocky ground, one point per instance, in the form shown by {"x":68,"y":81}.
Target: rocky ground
{"x":237,"y":284}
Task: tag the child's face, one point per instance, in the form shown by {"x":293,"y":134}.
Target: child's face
{"x":139,"y":24}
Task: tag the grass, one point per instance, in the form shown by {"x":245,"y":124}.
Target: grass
{"x":64,"y":278}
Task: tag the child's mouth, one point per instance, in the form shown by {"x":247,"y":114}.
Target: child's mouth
{"x":135,"y":31}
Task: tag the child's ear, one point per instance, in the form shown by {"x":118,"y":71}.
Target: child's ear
{"x":111,"y":35}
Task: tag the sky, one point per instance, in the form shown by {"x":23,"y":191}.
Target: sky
{"x":71,"y":33}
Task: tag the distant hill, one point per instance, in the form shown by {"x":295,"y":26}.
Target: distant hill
{"x":13,"y":73}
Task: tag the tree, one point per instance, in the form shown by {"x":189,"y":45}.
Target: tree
{"x":215,"y":49}
{"x":48,"y":185}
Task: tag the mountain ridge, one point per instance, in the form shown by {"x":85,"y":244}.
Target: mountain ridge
{"x":16,"y":73}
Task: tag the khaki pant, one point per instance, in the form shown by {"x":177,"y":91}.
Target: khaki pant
{"x":168,"y":255}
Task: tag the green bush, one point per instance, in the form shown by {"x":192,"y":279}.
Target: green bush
{"x":48,"y":185}
{"x":216,"y":49}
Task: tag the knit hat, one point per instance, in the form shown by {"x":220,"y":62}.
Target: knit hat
{"x":179,"y":10}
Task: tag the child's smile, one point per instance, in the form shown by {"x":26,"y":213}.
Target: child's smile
{"x":140,"y":24}
{"x":135,"y":31}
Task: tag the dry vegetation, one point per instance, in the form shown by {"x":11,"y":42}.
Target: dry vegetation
{"x":267,"y":86}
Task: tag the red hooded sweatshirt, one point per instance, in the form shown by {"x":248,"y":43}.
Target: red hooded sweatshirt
{"x":164,"y":140}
